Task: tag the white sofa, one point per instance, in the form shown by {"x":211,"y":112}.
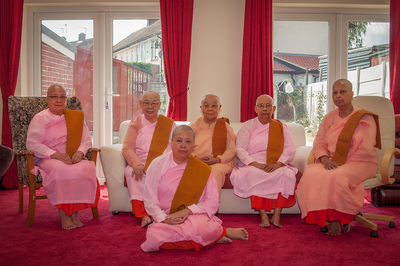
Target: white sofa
{"x":119,"y":201}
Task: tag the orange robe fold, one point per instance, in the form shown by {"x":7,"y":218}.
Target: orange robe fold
{"x":192,"y":184}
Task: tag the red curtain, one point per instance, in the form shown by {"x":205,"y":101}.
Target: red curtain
{"x":10,"y":46}
{"x":394,"y":55}
{"x":176,"y":26}
{"x":257,"y":73}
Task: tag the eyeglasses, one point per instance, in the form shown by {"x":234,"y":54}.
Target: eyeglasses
{"x":262,"y":105}
{"x":153,"y":104}
{"x":55,"y":98}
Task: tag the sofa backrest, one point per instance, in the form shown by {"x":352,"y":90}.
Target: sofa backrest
{"x":296,"y":130}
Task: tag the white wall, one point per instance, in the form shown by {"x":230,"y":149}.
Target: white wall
{"x":216,"y":59}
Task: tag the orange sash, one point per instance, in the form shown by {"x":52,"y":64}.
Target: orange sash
{"x":344,"y":139}
{"x":275,"y":141}
{"x":219,"y":136}
{"x":74,"y":121}
{"x":160,"y":139}
{"x":192,"y":184}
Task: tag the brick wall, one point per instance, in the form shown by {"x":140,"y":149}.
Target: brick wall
{"x":56,"y":68}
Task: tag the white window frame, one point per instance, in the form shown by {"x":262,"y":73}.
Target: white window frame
{"x":338,"y":20}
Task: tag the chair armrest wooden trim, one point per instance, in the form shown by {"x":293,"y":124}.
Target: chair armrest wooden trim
{"x":29,"y":160}
{"x":311,"y":159}
{"x":93,"y":157}
{"x":385,"y":166}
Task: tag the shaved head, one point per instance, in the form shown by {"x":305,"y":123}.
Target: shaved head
{"x":211,"y":97}
{"x":53,"y":87}
{"x":182,"y":128}
{"x":344,"y":82}
{"x":265,"y":97}
{"x":152,"y":93}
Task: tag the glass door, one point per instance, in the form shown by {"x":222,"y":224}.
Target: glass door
{"x":136,"y":68}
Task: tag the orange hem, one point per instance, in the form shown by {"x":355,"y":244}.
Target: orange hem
{"x":138,"y":208}
{"x":69,"y":208}
{"x":186,"y":245}
{"x":259,"y":203}
{"x":322,"y":216}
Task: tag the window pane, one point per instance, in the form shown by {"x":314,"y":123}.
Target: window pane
{"x":368,"y":58}
{"x":300,"y":72}
{"x":138,"y":45}
{"x":67,"y":59}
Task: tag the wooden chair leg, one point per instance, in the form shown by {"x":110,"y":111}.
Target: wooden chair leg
{"x":95,"y":212}
{"x":32,"y":205}
{"x":21,"y":198}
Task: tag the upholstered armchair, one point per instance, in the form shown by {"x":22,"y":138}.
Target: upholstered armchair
{"x":21,"y":111}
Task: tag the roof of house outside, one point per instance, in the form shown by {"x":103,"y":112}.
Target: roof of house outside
{"x":86,"y":44}
{"x":51,"y":34}
{"x":295,"y":63}
{"x":139,"y":36}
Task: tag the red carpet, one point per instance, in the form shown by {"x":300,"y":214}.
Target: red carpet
{"x":115,"y":240}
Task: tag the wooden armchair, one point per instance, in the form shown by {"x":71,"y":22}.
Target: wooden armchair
{"x":384,"y":108}
{"x":21,"y":111}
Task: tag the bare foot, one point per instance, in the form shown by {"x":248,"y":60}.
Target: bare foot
{"x":146,"y":220}
{"x":237,"y":233}
{"x":276,"y":223}
{"x":346,"y":228}
{"x":75,"y":219}
{"x":66,"y":221}
{"x":334,"y":229}
{"x":264,"y":219}
{"x":224,"y":240}
{"x":276,"y":218}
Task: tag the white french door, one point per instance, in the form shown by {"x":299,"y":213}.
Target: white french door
{"x":74,"y":47}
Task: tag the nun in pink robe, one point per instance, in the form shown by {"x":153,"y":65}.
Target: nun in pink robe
{"x":135,"y":150}
{"x":252,"y":144}
{"x":338,"y":194}
{"x":63,"y":184}
{"x":203,"y":147}
{"x":202,"y":227}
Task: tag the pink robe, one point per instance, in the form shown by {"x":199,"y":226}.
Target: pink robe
{"x":252,"y":144}
{"x":202,"y":227}
{"x":203,"y":147}
{"x":341,"y":189}
{"x":135,"y":150}
{"x":76,"y":183}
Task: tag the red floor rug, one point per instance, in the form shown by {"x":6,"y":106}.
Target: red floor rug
{"x":116,"y":239}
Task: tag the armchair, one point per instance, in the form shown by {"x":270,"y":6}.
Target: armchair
{"x":21,"y":111}
{"x":6,"y":157}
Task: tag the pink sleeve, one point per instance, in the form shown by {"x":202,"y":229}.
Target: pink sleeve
{"x":128,"y":147}
{"x":242,"y":144}
{"x":209,"y":200}
{"x":86,"y":141}
{"x":150,"y":192}
{"x":35,"y":137}
{"x":289,"y":147}
{"x":320,"y":147}
{"x":230,"y":151}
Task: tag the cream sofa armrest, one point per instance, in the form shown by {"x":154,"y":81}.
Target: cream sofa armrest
{"x":114,"y":165}
{"x":301,"y":157}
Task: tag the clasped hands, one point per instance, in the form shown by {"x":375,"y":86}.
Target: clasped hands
{"x":177,"y":217}
{"x":267,"y":167}
{"x":209,"y":160}
{"x":75,"y":158}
